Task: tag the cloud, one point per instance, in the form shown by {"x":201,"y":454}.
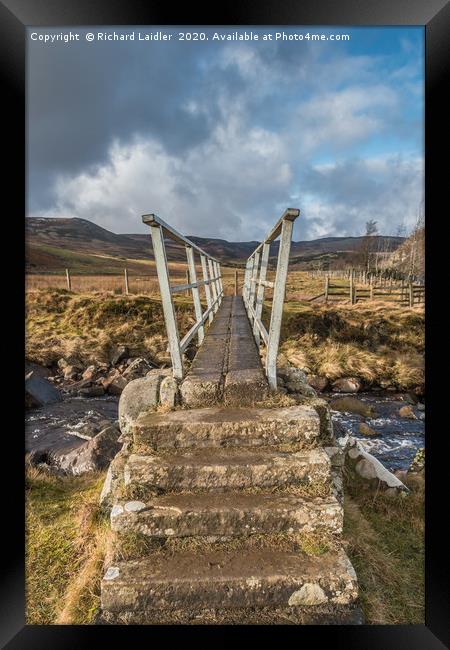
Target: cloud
{"x":344,"y":195}
{"x":220,"y":139}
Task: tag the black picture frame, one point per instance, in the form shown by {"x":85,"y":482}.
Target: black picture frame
{"x":15,"y":16}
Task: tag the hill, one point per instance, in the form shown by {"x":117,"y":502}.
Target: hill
{"x":55,"y":243}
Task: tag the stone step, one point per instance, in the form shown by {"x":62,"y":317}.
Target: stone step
{"x":221,"y":579}
{"x":224,"y":427}
{"x":232,"y":468}
{"x":228,"y":515}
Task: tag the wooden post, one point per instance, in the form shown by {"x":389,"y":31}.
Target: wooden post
{"x":187,"y":282}
{"x":371,"y":287}
{"x":235,"y":282}
{"x":411,"y":295}
{"x":127,"y":289}
{"x":351,"y":287}
{"x":327,"y":281}
{"x":69,"y":281}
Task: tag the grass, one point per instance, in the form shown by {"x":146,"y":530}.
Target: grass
{"x":381,"y":343}
{"x":85,"y":328}
{"x":66,"y":543}
{"x":385,"y":537}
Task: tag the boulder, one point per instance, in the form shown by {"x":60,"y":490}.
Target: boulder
{"x":120,"y":353}
{"x":39,"y":391}
{"x":42,"y":371}
{"x":290,"y":374}
{"x":168,"y":391}
{"x":369,"y":468}
{"x":318,"y":383}
{"x":347,"y":385}
{"x":365,"y":430}
{"x":136,"y":368}
{"x":90,"y":373}
{"x":407,"y":412}
{"x":71,"y":372}
{"x":139,"y":395}
{"x":116,"y":386}
{"x":93,"y":455}
{"x":302,"y":389}
{"x":351,"y":405}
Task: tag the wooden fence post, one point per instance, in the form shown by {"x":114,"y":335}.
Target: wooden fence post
{"x":371,"y":287}
{"x":127,"y":289}
{"x":235,"y":282}
{"x":351,"y":287}
{"x":327,"y":281}
{"x":69,"y":281}
{"x":411,"y":295}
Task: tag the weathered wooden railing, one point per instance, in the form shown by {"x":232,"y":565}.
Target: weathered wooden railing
{"x":255,"y":284}
{"x":212,"y":283}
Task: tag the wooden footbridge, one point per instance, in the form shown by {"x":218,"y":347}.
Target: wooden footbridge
{"x":239,"y":500}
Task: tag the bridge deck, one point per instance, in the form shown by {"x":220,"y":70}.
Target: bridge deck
{"x":227,"y":367}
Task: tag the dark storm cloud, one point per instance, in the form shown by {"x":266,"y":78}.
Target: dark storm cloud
{"x":220,"y":138}
{"x":82,"y":97}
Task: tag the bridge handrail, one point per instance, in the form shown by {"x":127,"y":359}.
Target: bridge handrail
{"x":212,"y":283}
{"x":255,"y":283}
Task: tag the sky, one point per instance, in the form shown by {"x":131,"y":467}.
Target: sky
{"x":219,"y":137}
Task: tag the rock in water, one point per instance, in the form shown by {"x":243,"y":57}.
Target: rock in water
{"x":347,"y":385}
{"x":96,"y":454}
{"x":407,"y":412}
{"x":365,"y":430}
{"x":351,"y":405}
{"x":39,"y":391}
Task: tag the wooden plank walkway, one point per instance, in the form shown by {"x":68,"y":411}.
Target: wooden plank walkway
{"x":227,"y":367}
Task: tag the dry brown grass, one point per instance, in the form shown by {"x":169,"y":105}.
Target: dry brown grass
{"x":380,"y":343}
{"x":385,"y":542}
{"x":66,"y":541}
{"x":139,"y":284}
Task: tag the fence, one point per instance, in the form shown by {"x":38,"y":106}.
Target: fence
{"x":374,"y":287}
{"x":255,"y":283}
{"x":212,"y":284}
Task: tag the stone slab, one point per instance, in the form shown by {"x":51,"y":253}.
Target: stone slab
{"x":232,"y":468}
{"x":227,"y":515}
{"x":257,"y":578}
{"x":224,"y":427}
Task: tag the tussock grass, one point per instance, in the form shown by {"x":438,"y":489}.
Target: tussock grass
{"x":379,"y":343}
{"x":85,"y":328}
{"x":385,"y":542}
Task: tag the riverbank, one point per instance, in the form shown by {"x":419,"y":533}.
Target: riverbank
{"x":380,"y":344}
{"x":67,"y":538}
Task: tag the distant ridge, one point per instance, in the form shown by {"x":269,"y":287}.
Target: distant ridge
{"x":53,"y":243}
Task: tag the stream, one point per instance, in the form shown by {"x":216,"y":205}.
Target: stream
{"x":68,"y":424}
{"x":398,"y":438}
